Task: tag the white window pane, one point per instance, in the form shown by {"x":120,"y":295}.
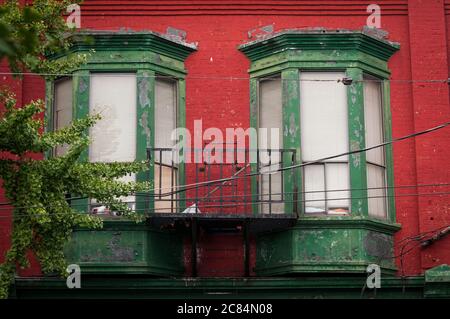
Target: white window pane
{"x":62,"y":108}
{"x":270,"y":117}
{"x":323,"y":114}
{"x":376,"y":200}
{"x":338,"y":178}
{"x":165,"y":179}
{"x":165,"y":117}
{"x":373,"y":120}
{"x":114,"y":136}
{"x":314,"y":176}
{"x":271,"y":185}
{"x":165,"y":123}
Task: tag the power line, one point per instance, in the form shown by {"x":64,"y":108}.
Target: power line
{"x":182,"y":188}
{"x":200,"y":184}
{"x":441,"y":126}
{"x":225,"y":78}
{"x":235,"y":205}
{"x":156,"y":196}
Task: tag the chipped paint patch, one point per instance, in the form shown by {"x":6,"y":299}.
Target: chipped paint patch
{"x":143,"y":85}
{"x":82,"y":86}
{"x":356,"y":158}
{"x":143,"y":122}
{"x":377,"y":245}
{"x":292,"y":125}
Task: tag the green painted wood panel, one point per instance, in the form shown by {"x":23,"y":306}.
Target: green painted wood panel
{"x":356,"y":132}
{"x":81,"y":88}
{"x":291,"y":138}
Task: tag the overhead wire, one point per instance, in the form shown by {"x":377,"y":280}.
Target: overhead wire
{"x":224,"y":78}
{"x":159,"y":196}
{"x":233,"y":205}
{"x":210,"y":182}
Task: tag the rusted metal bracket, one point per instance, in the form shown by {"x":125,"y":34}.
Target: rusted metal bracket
{"x":436,"y":237}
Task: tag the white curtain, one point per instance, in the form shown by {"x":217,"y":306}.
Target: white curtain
{"x":376,"y":171}
{"x":165,"y":123}
{"x":324,"y":132}
{"x":113,"y":96}
{"x":270,"y":117}
{"x":62,"y":108}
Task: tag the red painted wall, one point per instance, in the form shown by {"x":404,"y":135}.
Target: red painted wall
{"x":421,"y":27}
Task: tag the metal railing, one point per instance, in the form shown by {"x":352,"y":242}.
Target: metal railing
{"x":229,"y":181}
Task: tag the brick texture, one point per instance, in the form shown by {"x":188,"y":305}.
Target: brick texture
{"x":422,"y":29}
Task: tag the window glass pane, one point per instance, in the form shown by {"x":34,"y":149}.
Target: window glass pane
{"x":114,"y":136}
{"x":324,"y":132}
{"x":165,"y":180}
{"x":337,"y":178}
{"x":377,"y":200}
{"x":373,"y":120}
{"x":314,"y":176}
{"x":270,"y":116}
{"x":323,"y":114}
{"x":165,"y":122}
{"x":271,"y":193}
{"x":165,"y":116}
{"x":62,"y":108}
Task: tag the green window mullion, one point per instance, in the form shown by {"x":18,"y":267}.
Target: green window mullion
{"x":181,"y":122}
{"x":254,"y":89}
{"x":145,"y":134}
{"x":356,"y":131}
{"x":80,"y":109}
{"x":49,"y":109}
{"x":291,"y":138}
{"x":387,"y":125}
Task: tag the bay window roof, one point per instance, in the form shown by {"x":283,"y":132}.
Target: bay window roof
{"x":320,"y":39}
{"x":128,"y":40}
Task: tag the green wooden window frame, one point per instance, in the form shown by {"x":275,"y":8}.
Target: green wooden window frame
{"x":356,"y":53}
{"x":148,"y":55}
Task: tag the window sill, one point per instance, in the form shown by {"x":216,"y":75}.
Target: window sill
{"x":348,"y":222}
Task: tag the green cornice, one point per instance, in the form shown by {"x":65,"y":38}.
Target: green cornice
{"x":131,"y":41}
{"x":219,"y":288}
{"x":310,"y":40}
{"x":330,"y":222}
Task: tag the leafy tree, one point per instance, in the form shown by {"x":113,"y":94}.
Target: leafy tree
{"x":43,"y":220}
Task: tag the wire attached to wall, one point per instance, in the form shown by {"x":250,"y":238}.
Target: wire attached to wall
{"x":183,"y":188}
{"x":345,"y":80}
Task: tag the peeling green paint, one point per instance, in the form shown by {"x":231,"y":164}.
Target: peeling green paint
{"x":143,"y":90}
{"x":326,"y":243}
{"x":254,"y":105}
{"x":124,"y":247}
{"x":80,"y":109}
{"x":318,"y":245}
{"x":137,"y":249}
{"x":358,"y":174}
{"x":312,"y":287}
{"x":48,"y":116}
{"x":291,"y":107}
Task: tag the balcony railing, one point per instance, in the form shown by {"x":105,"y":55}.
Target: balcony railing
{"x":229,"y":181}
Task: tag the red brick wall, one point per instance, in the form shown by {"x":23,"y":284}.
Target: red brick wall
{"x":219,"y":29}
{"x":429,"y":60}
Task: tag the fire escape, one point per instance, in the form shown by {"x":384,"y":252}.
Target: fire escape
{"x":241,"y":192}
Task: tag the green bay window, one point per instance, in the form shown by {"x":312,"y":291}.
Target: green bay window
{"x":136,"y":82}
{"x":330,"y":96}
